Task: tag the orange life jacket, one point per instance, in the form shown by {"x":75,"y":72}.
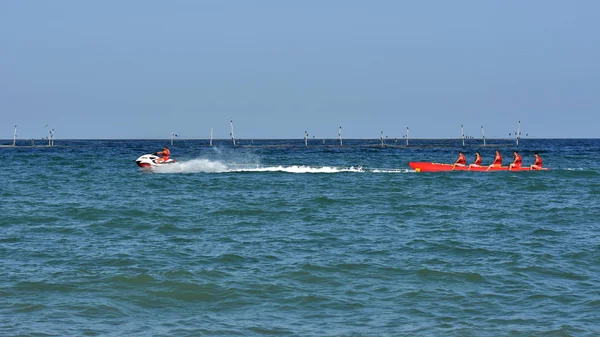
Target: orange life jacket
{"x":518,"y":160}
{"x":497,"y":160}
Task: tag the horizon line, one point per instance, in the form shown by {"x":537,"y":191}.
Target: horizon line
{"x":302,"y":139}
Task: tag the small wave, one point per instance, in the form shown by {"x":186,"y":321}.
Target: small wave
{"x":558,"y":273}
{"x":41,"y":286}
{"x":563,"y":330}
{"x":546,"y":231}
{"x":261,"y":330}
{"x":456,"y":276}
{"x":140,"y":279}
{"x":166,"y":228}
{"x":10,"y":240}
{"x":28,"y":307}
{"x":231,"y":259}
{"x":308,"y":277}
{"x":581,"y":172}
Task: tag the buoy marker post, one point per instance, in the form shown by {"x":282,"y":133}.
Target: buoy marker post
{"x":483,"y":135}
{"x":232,"y":136}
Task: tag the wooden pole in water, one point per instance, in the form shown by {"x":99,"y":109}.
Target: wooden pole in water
{"x":340,"y":135}
{"x":232,"y":136}
{"x":462,"y":131}
{"x":483,"y":135}
{"x":518,"y":134}
{"x":15,"y":136}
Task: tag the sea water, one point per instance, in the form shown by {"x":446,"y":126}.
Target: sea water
{"x":275,"y":238}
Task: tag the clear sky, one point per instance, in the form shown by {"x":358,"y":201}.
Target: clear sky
{"x":144,"y":69}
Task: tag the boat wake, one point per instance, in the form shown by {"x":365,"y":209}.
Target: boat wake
{"x":193,"y":166}
{"x":301,"y":169}
{"x":217,"y":166}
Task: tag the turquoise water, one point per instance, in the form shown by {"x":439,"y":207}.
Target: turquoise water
{"x":272,"y":238}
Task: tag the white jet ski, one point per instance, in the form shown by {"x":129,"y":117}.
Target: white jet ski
{"x":150,"y":160}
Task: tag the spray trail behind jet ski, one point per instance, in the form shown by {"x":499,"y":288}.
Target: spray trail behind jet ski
{"x":218,"y":166}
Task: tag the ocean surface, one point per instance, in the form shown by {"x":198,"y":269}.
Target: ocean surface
{"x":274,"y":238}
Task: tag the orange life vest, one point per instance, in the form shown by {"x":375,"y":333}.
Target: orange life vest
{"x":497,"y":160}
{"x":518,"y":160}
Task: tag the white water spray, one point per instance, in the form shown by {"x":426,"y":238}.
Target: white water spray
{"x":217,"y":166}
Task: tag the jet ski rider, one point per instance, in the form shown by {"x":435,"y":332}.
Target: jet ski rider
{"x":165,"y":153}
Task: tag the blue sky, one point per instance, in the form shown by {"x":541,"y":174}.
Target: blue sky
{"x":144,"y":69}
